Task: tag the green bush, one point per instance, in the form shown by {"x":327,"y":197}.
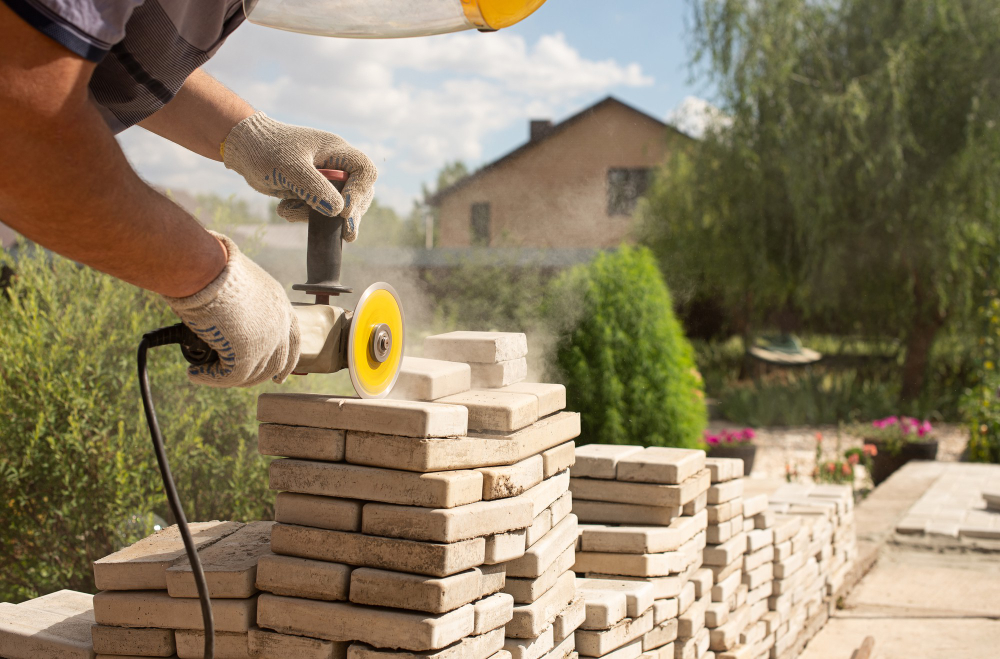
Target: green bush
{"x":983,"y":401}
{"x":627,"y":366}
{"x":78,"y":477}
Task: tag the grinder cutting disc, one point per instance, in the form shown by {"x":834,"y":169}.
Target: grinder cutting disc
{"x":375,"y":342}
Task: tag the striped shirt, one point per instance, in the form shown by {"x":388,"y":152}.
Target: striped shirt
{"x":144,"y":49}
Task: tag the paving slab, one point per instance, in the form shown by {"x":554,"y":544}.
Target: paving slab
{"x":543,"y":553}
{"x":601,"y":460}
{"x":495,"y":411}
{"x":476,"y":347}
{"x":561,"y":507}
{"x":69,"y":603}
{"x":484,"y":646}
{"x":389,"y":417}
{"x":723,"y":492}
{"x":527,"y":590}
{"x":600,"y":643}
{"x":665,"y":609}
{"x":724,"y":469}
{"x":603,"y":512}
{"x":540,"y":525}
{"x":558,"y":459}
{"x":429,"y":379}
{"x":570,"y":619}
{"x":532,"y":647}
{"x":149,"y":642}
{"x":639,"y":596}
{"x":665,"y":587}
{"x":696,"y":505}
{"x":647,"y":494}
{"x":266,"y":644}
{"x":512,"y":480}
{"x":228,"y":645}
{"x":400,"y":590}
{"x":504,"y":547}
{"x":603,"y":608}
{"x":230,"y":565}
{"x":532,"y":619}
{"x":547,"y":494}
{"x":300,"y":442}
{"x":492,"y":613}
{"x":642,"y":565}
{"x":472,"y":520}
{"x":321,"y":512}
{"x":642,"y":539}
{"x":753,"y":505}
{"x":727,"y":552}
{"x":500,"y":374}
{"x":27,"y":633}
{"x":303,"y":577}
{"x":155,"y":608}
{"x":660,"y":635}
{"x":659,"y":464}
{"x":551,"y":397}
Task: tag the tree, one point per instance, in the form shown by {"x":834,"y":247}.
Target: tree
{"x":627,"y":366}
{"x":857,"y":177}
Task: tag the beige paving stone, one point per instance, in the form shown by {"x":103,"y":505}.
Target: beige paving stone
{"x":265,"y":644}
{"x":300,"y":442}
{"x":665,"y":587}
{"x":660,"y":635}
{"x":659,"y":464}
{"x":500,"y":374}
{"x":765,"y":520}
{"x":646,"y":494}
{"x":686,"y":598}
{"x":716,"y":614}
{"x":415,"y":592}
{"x":551,"y":397}
{"x":230,"y":565}
{"x":716,"y":534}
{"x":641,"y":565}
{"x":692,"y":648}
{"x":69,"y":603}
{"x":540,"y":436}
{"x":638,"y":594}
{"x":558,"y":459}
{"x":501,"y":654}
{"x":721,"y":573}
{"x":600,"y":643}
{"x":543,"y":553}
{"x":692,"y":621}
{"x":724,"y":589}
{"x":759,"y":538}
{"x":530,"y":620}
{"x":444,"y":489}
{"x":491,"y":410}
{"x":561,"y":507}
{"x":570,"y":619}
{"x":603,"y":608}
{"x":602,"y":512}
{"x":665,"y":609}
{"x":564,"y":649}
{"x":724,"y":469}
{"x":504,"y":547}
{"x":429,"y":379}
{"x":477,"y":347}
{"x":532,"y":647}
{"x":723,"y":492}
{"x":484,"y":646}
{"x":758,"y":558}
{"x":784,"y":527}
{"x":472,"y":520}
{"x":723,"y":512}
{"x":494,"y":577}
{"x":155,"y":608}
{"x":786,"y":568}
{"x":546,"y":493}
{"x":702,"y":582}
{"x":432,"y":559}
{"x":727,"y":552}
{"x":528,"y":590}
{"x":148,"y":642}
{"x":642,"y":539}
{"x":601,"y":460}
{"x":754,"y":505}
{"x":492,"y":612}
{"x":342,"y":621}
{"x":228,"y":645}
{"x":317,"y":511}
{"x":631,"y":650}
{"x":143,"y":565}
{"x":303,"y":577}
{"x":696,"y":505}
{"x":511,"y":480}
{"x":727,"y":635}
{"x":540,"y":525}
{"x":27,"y":633}
{"x":389,"y":417}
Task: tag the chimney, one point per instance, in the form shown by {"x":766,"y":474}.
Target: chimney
{"x":539,"y":128}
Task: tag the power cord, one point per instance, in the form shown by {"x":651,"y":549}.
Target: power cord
{"x":196,"y":352}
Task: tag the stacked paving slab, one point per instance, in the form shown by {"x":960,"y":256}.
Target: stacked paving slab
{"x":642,"y":535}
{"x":55,"y":625}
{"x":397,"y":519}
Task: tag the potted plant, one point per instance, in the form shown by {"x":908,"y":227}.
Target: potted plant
{"x":733,"y":444}
{"x":894,"y":441}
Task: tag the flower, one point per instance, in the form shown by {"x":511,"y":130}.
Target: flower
{"x":748,"y":434}
{"x":831,"y":467}
{"x":846,"y":468}
{"x":712,"y":439}
{"x":924,"y":429}
{"x":853,"y":458}
{"x":819,"y":437}
{"x":870,"y":449}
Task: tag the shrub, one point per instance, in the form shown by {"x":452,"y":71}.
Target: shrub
{"x":78,"y":477}
{"x":982,"y":404}
{"x":623,"y":356}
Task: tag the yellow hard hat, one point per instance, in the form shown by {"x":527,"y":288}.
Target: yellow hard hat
{"x":387,"y":19}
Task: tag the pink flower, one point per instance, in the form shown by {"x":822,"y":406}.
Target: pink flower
{"x":870,"y":449}
{"x":924,"y":429}
{"x":846,"y":468}
{"x":853,"y":458}
{"x":712,"y":439}
{"x":891,"y":420}
{"x":748,"y":434}
{"x":831,"y":467}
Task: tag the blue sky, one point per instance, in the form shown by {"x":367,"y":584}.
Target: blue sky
{"x":414,"y":104}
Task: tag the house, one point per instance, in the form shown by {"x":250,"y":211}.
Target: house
{"x":573,"y":184}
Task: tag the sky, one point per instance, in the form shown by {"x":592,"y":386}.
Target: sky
{"x":415,"y":104}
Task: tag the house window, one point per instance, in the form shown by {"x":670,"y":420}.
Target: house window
{"x":625,"y":186}
{"x":480,"y":221}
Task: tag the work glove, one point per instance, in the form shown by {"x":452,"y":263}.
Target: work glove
{"x":280,"y":160}
{"x":245,"y":316}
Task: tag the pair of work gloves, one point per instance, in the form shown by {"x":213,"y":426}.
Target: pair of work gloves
{"x":244,"y":313}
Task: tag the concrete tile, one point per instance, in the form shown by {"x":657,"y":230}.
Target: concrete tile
{"x":600,"y":643}
{"x":601,"y":460}
{"x":478,"y":347}
{"x":416,"y":592}
{"x":504,"y":547}
{"x":753,"y":505}
{"x":265,"y":644}
{"x":540,"y":525}
{"x":696,"y":505}
{"x":494,"y":577}
{"x":26,"y":633}
{"x":641,"y":565}
{"x":716,"y":614}
{"x":230,"y":565}
{"x":558,"y":459}
{"x":631,"y":650}
{"x":484,"y":646}
{"x":228,"y":645}
{"x":723,"y":512}
{"x":500,"y":374}
{"x":551,"y":397}
{"x":432,"y":559}
{"x":303,"y":577}
{"x":686,"y":598}
{"x":429,"y":379}
{"x":642,"y":539}
{"x":665,"y":609}
{"x":727,"y":552}
{"x":660,"y":635}
{"x":765,"y":520}
{"x":300,"y":442}
{"x":758,"y":558}
{"x":341,"y":621}
{"x":561,"y":507}
{"x":758,"y":539}
{"x":725,"y":588}
{"x":532,"y":619}
{"x":496,"y":411}
{"x":543,"y":553}
{"x":702,"y":582}
{"x":658,"y":464}
{"x":664,"y":587}
{"x":527,"y":590}
{"x":722,"y":492}
{"x":603,"y":608}
{"x":473,"y":520}
{"x":388,"y":417}
{"x":492,"y":612}
{"x":758,"y":576}
{"x":443,"y":489}
{"x":692,"y":621}
{"x":320,"y":512}
{"x":724,"y":469}
{"x":547,"y":493}
{"x":155,"y":608}
{"x":716,"y":534}
{"x":592,"y":489}
{"x":531,"y":647}
{"x":638,"y":594}
{"x":511,"y":480}
{"x":570,"y":619}
{"x":143,"y":565}
{"x":563,"y":649}
{"x":69,"y":603}
{"x":129,"y":640}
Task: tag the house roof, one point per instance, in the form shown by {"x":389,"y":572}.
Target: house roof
{"x":436,"y":198}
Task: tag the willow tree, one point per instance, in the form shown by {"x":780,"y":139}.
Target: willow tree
{"x":856,"y":175}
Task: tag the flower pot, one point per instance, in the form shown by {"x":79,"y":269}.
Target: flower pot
{"x":743,"y":451}
{"x":884,"y":464}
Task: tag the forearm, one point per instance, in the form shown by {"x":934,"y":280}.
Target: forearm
{"x":200,"y":116}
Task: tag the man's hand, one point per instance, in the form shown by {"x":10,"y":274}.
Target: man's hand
{"x":281,"y":160}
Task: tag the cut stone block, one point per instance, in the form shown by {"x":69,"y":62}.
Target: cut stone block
{"x":601,"y":460}
{"x":126,"y":640}
{"x":444,"y":489}
{"x":494,"y":577}
{"x":665,"y":610}
{"x":726,"y":588}
{"x":415,"y":592}
{"x":558,"y":459}
{"x":631,"y":650}
{"x":429,"y":379}
{"x":660,"y":635}
{"x":540,"y":525}
{"x":758,"y":539}
{"x":472,"y":520}
{"x":543,"y":553}
{"x":642,"y":565}
{"x":602,"y":512}
{"x":511,"y":480}
{"x":341,"y":621}
{"x":228,"y":645}
{"x":600,"y":643}
{"x":230,"y":565}
{"x":702,"y":582}
{"x":143,"y":565}
{"x":69,"y":603}
{"x":492,"y":612}
{"x":476,"y":347}
{"x":716,"y":614}
{"x":692,"y":648}
{"x":495,"y":410}
{"x":758,"y":576}
{"x":500,"y":374}
{"x":727,"y":552}
{"x":723,"y":492}
{"x":754,"y":505}
{"x":642,"y":539}
{"x":659,"y":464}
{"x":526,"y":591}
{"x":686,"y":598}
{"x":265,"y":644}
{"x":724,"y":469}
{"x":561,"y":507}
{"x":665,"y":587}
{"x":551,"y":397}
{"x":723,"y":512}
{"x":484,"y":646}
{"x":302,"y":577}
{"x":765,"y":520}
{"x":547,"y":493}
{"x":638,"y":594}
{"x":320,"y":512}
{"x":504,"y":547}
{"x":721,"y":573}
{"x":563,"y":649}
{"x":148,"y":608}
{"x":533,"y":647}
{"x":300,"y":442}
{"x":692,"y":621}
{"x":27,"y":633}
{"x":646,"y":494}
{"x":696,"y":505}
{"x":570,"y":619}
{"x":389,"y":417}
{"x":758,"y":558}
{"x":784,"y":527}
{"x":530,"y":620}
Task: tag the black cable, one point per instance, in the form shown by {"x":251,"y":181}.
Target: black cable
{"x":165,"y":336}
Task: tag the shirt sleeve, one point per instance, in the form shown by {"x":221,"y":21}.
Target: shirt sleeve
{"x":88,"y":28}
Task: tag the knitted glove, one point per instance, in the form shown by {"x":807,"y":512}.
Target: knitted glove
{"x":281,"y":160}
{"x":246,"y":317}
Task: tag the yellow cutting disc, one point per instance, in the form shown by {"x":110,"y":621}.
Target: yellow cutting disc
{"x":375,"y":342}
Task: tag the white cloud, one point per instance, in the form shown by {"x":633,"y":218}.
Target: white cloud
{"x":695,"y":115}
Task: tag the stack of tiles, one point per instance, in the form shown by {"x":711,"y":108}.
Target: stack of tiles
{"x":55,"y":625}
{"x":641,"y":542}
{"x":148,"y":605}
{"x":396,"y":518}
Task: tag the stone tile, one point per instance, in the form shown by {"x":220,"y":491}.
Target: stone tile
{"x":473,"y":520}
{"x":664,"y":587}
{"x":492,"y":612}
{"x":601,"y":460}
{"x":341,"y":621}
{"x":228,"y":645}
{"x":26,"y":633}
{"x":724,"y":589}
{"x":642,"y":539}
{"x":754,"y":505}
{"x":716,"y":614}
{"x":511,"y":480}
{"x":320,"y":512}
{"x":758,"y":576}
{"x":494,"y":577}
{"x":531,"y":647}
{"x":400,"y":590}
{"x":660,"y":635}
{"x":764,"y":520}
{"x":638,"y":594}
{"x":432,"y":559}
{"x":540,"y":525}
{"x":723,"y":492}
{"x":563,"y":649}
{"x":686,"y":598}
{"x":496,"y":411}
{"x":444,"y":489}
{"x":551,"y":397}
{"x":692,"y":621}
{"x":429,"y":379}
{"x":303,"y":577}
{"x":724,"y":469}
{"x":758,"y":558}
{"x":388,"y":417}
{"x":265,"y":644}
{"x":658,"y":464}
{"x":149,"y":642}
{"x":230,"y":565}
{"x":484,"y":646}
{"x":547,"y":493}
{"x":570,"y":619}
{"x":64,"y":602}
{"x":527,"y":590}
{"x":500,"y":374}
{"x":600,"y":643}
{"x":561,"y":507}
{"x":543,"y":553}
{"x":641,"y":565}
{"x":558,"y":459}
{"x":723,"y":512}
{"x":603,"y":512}
{"x":696,"y":505}
{"x":530,"y":620}
{"x":758,"y":539}
{"x":703,"y":582}
{"x":646,"y":494}
{"x":155,"y":608}
{"x":727,"y":552}
{"x":665,"y":609}
{"x":504,"y":547}
{"x":603,"y":608}
{"x":300,"y":442}
{"x":477,"y":347}
{"x":631,"y":650}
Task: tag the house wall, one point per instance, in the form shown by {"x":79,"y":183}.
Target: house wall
{"x":555,"y":193}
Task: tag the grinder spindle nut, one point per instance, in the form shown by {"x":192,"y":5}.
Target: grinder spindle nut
{"x":381,"y":342}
